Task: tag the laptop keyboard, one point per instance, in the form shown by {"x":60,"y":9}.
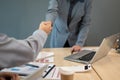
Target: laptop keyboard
{"x":87,"y":57}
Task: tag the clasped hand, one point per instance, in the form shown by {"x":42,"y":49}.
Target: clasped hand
{"x":46,"y":26}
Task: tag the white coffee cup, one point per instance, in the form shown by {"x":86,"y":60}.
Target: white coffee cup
{"x":66,"y":74}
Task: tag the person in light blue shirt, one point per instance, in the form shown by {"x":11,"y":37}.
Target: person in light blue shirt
{"x":71,"y":21}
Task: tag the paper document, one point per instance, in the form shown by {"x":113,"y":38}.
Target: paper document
{"x":25,"y":70}
{"x":45,"y":57}
{"x":48,"y":70}
{"x":54,"y":74}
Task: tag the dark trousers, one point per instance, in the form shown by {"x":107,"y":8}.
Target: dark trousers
{"x":66,"y":44}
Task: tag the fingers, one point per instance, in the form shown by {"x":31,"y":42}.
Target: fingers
{"x":46,"y":26}
{"x":48,"y":23}
{"x":10,"y":75}
{"x":1,"y":78}
{"x":75,"y":48}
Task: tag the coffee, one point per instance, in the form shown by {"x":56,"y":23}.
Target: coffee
{"x":66,"y":74}
{"x":66,"y":77}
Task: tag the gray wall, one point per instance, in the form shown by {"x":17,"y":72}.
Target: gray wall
{"x":105,"y":20}
{"x":19,"y":18}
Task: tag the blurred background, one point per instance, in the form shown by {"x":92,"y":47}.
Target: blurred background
{"x":19,"y":18}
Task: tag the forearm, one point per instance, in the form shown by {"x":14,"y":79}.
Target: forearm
{"x":13,"y":53}
{"x":85,"y":24}
{"x":17,"y":52}
{"x":82,"y":36}
{"x":36,"y":41}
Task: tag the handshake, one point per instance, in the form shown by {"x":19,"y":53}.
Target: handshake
{"x":46,"y":26}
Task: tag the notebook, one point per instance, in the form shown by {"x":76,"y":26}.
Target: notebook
{"x":89,"y":56}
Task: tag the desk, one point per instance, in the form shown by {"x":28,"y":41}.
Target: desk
{"x":60,"y":53}
{"x":108,"y":68}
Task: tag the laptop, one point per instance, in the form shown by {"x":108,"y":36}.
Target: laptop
{"x":89,"y":56}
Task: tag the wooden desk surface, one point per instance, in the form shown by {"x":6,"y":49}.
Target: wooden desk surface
{"x":60,"y":53}
{"x":108,"y":68}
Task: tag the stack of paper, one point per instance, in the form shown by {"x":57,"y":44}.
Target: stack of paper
{"x":45,"y":57}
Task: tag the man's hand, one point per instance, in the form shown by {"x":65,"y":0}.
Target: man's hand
{"x":75,"y":48}
{"x":46,"y":26}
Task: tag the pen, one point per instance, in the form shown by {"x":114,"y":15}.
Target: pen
{"x":48,"y":71}
{"x":32,"y":65}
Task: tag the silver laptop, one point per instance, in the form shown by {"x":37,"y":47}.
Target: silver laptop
{"x":88,"y":56}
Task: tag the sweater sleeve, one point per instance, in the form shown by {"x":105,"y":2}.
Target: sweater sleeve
{"x":15,"y":52}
